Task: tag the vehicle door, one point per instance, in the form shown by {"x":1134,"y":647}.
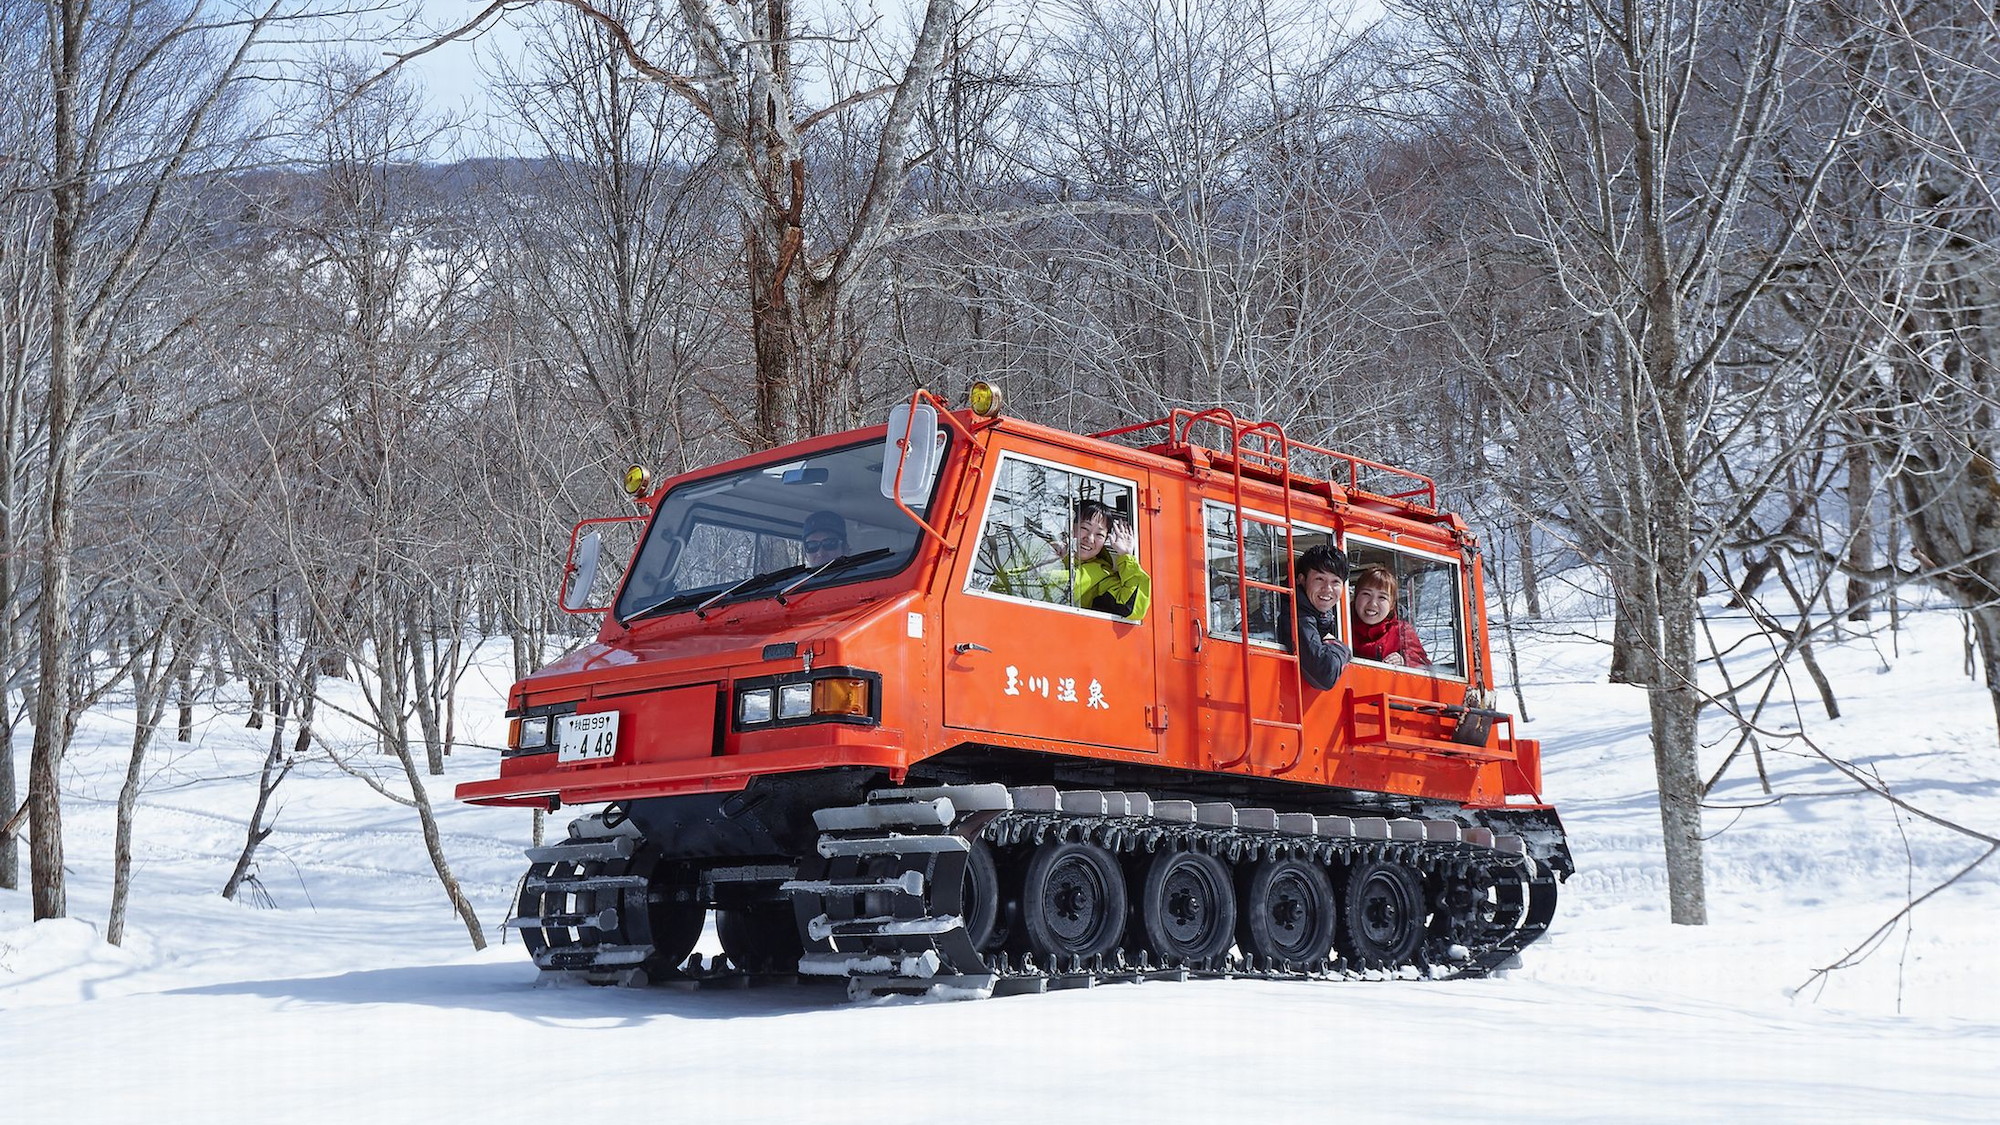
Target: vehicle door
{"x":1024,"y":654}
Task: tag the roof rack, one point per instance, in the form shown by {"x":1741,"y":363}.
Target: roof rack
{"x":1261,"y":449}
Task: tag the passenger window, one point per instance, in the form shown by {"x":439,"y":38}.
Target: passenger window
{"x":1023,"y":543}
{"x":1262,"y":542}
{"x":1423,"y":600}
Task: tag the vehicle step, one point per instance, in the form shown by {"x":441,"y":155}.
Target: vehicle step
{"x":934,"y":813}
{"x":892,"y":844}
{"x":583,"y":851}
{"x":606,"y":919}
{"x":908,"y":883}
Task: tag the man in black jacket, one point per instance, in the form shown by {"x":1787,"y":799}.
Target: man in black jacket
{"x":1322,"y":575}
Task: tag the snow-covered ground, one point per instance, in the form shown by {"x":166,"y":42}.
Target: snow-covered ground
{"x":348,"y":991}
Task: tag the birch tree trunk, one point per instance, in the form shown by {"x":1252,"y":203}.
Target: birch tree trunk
{"x":150,"y":684}
{"x":1636,"y":136}
{"x":56,"y":514}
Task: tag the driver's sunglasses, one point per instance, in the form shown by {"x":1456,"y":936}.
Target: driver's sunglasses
{"x":816,"y":546}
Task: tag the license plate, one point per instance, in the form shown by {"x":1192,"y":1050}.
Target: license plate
{"x":586,"y":738}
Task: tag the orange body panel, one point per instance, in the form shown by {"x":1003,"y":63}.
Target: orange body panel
{"x":963,"y":668}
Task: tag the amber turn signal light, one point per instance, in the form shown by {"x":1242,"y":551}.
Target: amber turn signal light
{"x":637,"y":480}
{"x":840,"y":695}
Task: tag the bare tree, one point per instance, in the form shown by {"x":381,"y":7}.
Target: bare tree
{"x":379,"y":322}
{"x":744,"y":67}
{"x":1151,"y":205}
{"x":1920,"y":267}
{"x":1641,"y":140}
{"x":163,"y":650}
{"x":602,"y":260}
{"x":142,"y":101}
{"x":23,"y":358}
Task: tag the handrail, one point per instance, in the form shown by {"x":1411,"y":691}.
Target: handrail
{"x":1280,"y":462}
{"x":1180,"y":423}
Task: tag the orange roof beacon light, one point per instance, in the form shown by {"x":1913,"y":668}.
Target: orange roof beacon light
{"x":638,"y":481}
{"x":880,"y":702}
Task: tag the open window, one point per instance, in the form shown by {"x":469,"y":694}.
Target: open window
{"x":1261,"y":541}
{"x":1024,"y":543}
{"x":1425,"y":600}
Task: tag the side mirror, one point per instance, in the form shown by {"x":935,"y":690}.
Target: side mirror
{"x":911,"y":449}
{"x":581,"y":571}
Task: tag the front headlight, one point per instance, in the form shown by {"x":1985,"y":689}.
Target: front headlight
{"x":534,"y":732}
{"x":754,"y":706}
{"x":838,"y":695}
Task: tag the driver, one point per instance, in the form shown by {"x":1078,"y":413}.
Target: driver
{"x":823,"y":537}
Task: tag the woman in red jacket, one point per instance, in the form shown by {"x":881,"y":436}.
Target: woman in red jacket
{"x":1378,"y":633}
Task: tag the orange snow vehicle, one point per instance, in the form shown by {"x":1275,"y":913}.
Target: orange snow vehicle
{"x":853,"y":696}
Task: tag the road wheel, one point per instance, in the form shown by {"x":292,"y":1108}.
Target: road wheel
{"x":1383,"y":922}
{"x":1072,"y":901}
{"x":1187,"y":906}
{"x":762,"y":938}
{"x":980,"y":900}
{"x":1288,"y":912}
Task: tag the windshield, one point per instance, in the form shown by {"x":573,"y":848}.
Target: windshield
{"x":793,"y":525}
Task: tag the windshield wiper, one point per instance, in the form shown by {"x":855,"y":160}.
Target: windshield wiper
{"x":832,"y":565}
{"x":669,"y":605}
{"x":706,"y":599}
{"x":751,"y":582}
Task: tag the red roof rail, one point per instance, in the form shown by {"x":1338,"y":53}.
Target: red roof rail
{"x":1276,"y":454}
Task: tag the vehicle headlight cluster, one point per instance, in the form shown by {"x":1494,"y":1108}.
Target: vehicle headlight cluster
{"x":840,"y":695}
{"x":535,"y":733}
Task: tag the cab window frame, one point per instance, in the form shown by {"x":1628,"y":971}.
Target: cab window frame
{"x":689,"y":504}
{"x":973,"y":570}
{"x":1358,"y":544}
{"x":1300,"y":529}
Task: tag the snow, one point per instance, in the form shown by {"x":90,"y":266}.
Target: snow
{"x":351,"y":993}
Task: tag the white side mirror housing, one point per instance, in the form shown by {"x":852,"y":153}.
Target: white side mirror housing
{"x":582,"y":572}
{"x":914,"y":445}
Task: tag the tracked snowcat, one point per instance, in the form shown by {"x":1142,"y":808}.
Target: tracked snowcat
{"x":838,"y":701}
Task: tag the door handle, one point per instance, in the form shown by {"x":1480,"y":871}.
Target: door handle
{"x":964,"y":647}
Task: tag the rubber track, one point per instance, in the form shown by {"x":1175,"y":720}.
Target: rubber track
{"x":860,"y":922}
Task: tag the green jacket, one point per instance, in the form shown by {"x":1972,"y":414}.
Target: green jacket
{"x":1122,"y":589}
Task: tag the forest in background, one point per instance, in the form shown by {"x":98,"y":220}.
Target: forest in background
{"x":1685,"y":302}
